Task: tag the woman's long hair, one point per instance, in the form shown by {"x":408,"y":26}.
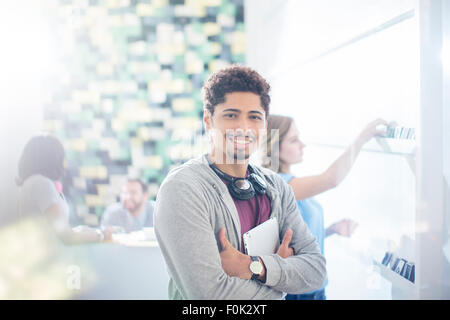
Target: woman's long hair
{"x":277,"y":128}
{"x":43,"y":154}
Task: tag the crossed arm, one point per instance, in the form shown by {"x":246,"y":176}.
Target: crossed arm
{"x":237,"y":264}
{"x":200,"y":271}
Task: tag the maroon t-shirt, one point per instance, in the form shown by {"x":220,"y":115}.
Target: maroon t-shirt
{"x":251,"y":212}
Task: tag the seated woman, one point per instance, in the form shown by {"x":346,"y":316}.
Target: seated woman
{"x":287,"y":149}
{"x":41,"y":165}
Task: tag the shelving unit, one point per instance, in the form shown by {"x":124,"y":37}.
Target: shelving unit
{"x":402,"y":288}
{"x":406,"y":148}
{"x":384,"y":145}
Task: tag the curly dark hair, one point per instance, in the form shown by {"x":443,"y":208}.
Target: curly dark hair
{"x":234,"y":78}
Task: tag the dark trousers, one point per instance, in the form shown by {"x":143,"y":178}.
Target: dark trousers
{"x":318,"y":295}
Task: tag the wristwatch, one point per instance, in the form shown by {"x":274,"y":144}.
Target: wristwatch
{"x":256,"y":267}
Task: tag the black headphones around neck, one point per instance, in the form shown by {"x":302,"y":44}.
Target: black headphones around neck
{"x":243,"y":188}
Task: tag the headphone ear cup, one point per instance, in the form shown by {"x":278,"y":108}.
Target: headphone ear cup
{"x":241,"y":194}
{"x":259,"y":185}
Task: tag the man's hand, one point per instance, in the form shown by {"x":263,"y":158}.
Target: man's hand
{"x":284,"y":250}
{"x":234,"y":262}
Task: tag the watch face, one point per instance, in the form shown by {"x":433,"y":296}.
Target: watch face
{"x":256,"y":267}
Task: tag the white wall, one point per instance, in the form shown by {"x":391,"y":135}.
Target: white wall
{"x":446,"y":126}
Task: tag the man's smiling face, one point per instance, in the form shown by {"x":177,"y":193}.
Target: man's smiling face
{"x":236,"y":126}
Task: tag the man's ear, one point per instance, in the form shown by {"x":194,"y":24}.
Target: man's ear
{"x":207,"y":119}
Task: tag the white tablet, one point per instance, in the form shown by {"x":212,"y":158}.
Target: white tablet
{"x":263,"y":239}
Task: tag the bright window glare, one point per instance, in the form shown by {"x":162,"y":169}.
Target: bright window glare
{"x":445,"y":56}
{"x":27,"y":54}
{"x":27,"y":61}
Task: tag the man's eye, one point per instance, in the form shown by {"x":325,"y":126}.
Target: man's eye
{"x":230,"y":115}
{"x":255,"y":117}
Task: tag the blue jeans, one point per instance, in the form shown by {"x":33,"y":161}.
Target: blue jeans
{"x":317,"y":295}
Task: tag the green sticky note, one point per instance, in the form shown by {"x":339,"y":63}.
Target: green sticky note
{"x":99,"y":211}
{"x":90,"y":161}
{"x":94,"y":145}
{"x":228,"y":8}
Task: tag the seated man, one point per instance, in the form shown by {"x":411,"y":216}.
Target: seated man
{"x":134,"y":211}
{"x":204,"y":207}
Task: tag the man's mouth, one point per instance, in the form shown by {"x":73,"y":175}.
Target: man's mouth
{"x":240,"y":142}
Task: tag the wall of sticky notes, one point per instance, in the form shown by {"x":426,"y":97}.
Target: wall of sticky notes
{"x":127,"y":99}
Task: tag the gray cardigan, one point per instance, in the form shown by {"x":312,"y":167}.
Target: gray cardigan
{"x":193,"y":204}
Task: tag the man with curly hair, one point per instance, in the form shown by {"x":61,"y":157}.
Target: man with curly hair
{"x":204,"y":207}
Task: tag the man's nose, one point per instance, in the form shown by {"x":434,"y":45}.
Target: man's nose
{"x":243,"y":125}
{"x":245,"y":128}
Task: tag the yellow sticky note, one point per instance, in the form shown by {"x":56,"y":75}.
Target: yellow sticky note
{"x":177,"y":86}
{"x":93,"y":200}
{"x":211,"y":29}
{"x":187,"y":123}
{"x":109,"y":87}
{"x":211,"y":3}
{"x":183,"y":11}
{"x":138,"y":48}
{"x":144,"y":134}
{"x":128,"y":87}
{"x":215,"y":48}
{"x":112,"y":3}
{"x":239,"y":43}
{"x":194,"y":66}
{"x":103,"y":189}
{"x":183,"y":105}
{"x":216,"y":65}
{"x":155,"y":162}
{"x":162,"y":114}
{"x":78,"y":145}
{"x":117,"y":125}
{"x":154,"y":134}
{"x":105,"y":68}
{"x":84,"y":96}
{"x":179,"y":48}
{"x":136,"y":143}
{"x":94,"y":172}
{"x":160,"y":3}
{"x":52,"y":125}
{"x":196,"y":8}
{"x":144,"y":114}
{"x":225,"y":20}
{"x":145,"y":10}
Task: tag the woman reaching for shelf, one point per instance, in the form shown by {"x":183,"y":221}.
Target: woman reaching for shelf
{"x":305,"y":188}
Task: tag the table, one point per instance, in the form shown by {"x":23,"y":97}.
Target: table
{"x":122,"y":271}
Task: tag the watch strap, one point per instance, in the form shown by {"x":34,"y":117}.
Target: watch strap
{"x":255,"y":276}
